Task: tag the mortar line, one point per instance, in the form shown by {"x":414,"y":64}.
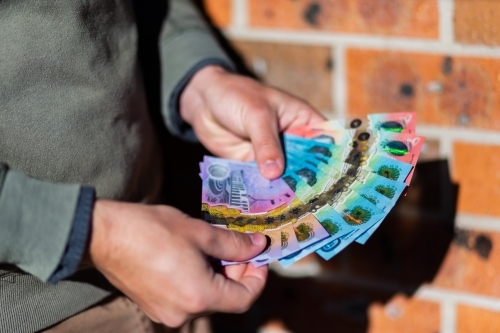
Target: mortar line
{"x":240,"y":14}
{"x":436,"y":294}
{"x":477,"y":222}
{"x":448,"y":317}
{"x":460,"y":134}
{"x":340,"y":81}
{"x":420,"y":45}
{"x":446,"y":12}
{"x":446,"y":149}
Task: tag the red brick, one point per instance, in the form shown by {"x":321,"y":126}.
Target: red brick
{"x":477,"y":22}
{"x":417,"y":18}
{"x":476,"y":169}
{"x":219,"y":12}
{"x":303,"y":70}
{"x":403,"y":315}
{"x":471,"y":264}
{"x":471,"y":320}
{"x":445,"y":91}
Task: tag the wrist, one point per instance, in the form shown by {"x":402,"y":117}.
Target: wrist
{"x":95,"y":248}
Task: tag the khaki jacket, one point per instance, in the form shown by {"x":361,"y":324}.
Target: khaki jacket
{"x":72,"y":113}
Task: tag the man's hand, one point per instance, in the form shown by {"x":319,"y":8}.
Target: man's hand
{"x":237,"y":117}
{"x":157,"y":256}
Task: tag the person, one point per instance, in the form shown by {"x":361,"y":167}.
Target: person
{"x":81,"y":169}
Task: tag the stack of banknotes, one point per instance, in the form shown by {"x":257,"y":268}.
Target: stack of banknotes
{"x":342,"y":177}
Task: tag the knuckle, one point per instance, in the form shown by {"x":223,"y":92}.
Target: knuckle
{"x":175,"y":320}
{"x":268,"y":150}
{"x":260,"y":109}
{"x":243,"y":307}
{"x":238,"y":239}
{"x":212,"y":240}
{"x":196,"y":305}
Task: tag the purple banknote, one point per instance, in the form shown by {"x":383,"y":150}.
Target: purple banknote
{"x":240,"y":186}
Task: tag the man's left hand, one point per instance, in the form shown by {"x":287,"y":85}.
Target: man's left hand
{"x":239,"y":118}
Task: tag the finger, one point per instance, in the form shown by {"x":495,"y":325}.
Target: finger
{"x":234,"y":272}
{"x":302,"y":118}
{"x":230,"y":245}
{"x":294,"y":112}
{"x":238,"y":295}
{"x":317,"y":117}
{"x":263,"y":131}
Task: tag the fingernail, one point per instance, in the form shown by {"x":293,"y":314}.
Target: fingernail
{"x":269,"y":167}
{"x":268,"y":244}
{"x":258,"y":239}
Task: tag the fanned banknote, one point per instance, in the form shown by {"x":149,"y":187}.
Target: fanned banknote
{"x":342,"y":177}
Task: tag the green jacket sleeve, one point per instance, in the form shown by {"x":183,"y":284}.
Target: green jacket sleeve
{"x":36,"y":220}
{"x":186,"y":45}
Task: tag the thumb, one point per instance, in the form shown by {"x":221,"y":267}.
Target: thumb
{"x":263,"y":132}
{"x":231,"y":245}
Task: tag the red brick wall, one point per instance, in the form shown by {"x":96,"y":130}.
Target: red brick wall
{"x":354,"y":57}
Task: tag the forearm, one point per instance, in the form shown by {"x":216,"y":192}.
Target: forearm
{"x":186,"y":46}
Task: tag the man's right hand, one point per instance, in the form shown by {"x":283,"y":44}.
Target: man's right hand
{"x":157,"y":256}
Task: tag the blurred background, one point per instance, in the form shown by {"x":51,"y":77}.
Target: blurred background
{"x":434,"y":265}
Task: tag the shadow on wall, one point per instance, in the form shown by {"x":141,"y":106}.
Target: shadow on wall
{"x":406,"y":251}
